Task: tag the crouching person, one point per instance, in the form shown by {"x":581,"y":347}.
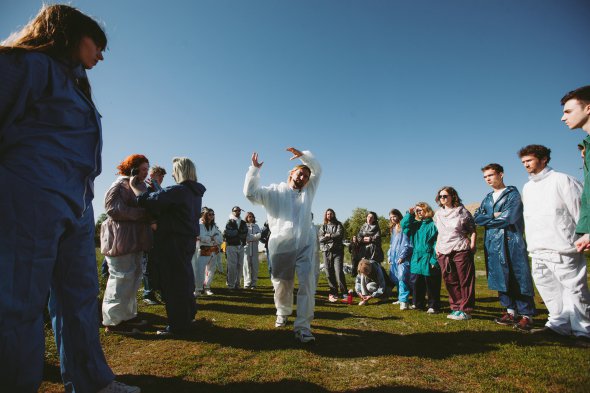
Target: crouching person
{"x":370,"y":282}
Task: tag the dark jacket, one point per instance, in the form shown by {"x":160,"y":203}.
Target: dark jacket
{"x":504,"y":244}
{"x":177,"y":207}
{"x":233,"y":235}
{"x":333,"y":243}
{"x":372,"y":250}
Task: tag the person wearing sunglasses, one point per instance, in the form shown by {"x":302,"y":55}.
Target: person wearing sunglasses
{"x":425,"y":277}
{"x":455,"y":248}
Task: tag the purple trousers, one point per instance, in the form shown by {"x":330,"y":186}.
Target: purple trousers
{"x":458,"y":271}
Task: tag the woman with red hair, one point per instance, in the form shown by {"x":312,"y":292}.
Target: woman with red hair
{"x":124,"y":236}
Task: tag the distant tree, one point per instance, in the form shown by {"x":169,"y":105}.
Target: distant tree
{"x":99,"y":221}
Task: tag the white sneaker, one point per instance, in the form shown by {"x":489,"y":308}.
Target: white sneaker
{"x":281,"y":321}
{"x":208,"y":292}
{"x":403,"y":305}
{"x":431,"y":311}
{"x":118,"y":387}
{"x":304,"y":336}
{"x":396,"y":302}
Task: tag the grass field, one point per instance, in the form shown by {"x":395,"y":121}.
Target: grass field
{"x":375,"y":348}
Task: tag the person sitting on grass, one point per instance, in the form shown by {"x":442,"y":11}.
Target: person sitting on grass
{"x":370,"y":282}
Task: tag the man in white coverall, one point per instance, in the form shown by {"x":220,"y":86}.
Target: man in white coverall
{"x":551,"y":202}
{"x":292,"y":242}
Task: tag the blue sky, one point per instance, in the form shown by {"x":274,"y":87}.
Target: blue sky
{"x":395,"y":98}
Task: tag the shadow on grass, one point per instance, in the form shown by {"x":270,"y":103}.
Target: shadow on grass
{"x":152,"y":384}
{"x":349,"y":343}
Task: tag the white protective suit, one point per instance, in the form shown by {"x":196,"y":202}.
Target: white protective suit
{"x":208,"y":237}
{"x":292,"y":242}
{"x":551,"y":209}
{"x":251,"y":256}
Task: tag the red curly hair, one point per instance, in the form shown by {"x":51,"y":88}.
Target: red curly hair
{"x":132,"y":161}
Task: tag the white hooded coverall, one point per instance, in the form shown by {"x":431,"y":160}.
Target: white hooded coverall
{"x":551,"y":209}
{"x":292,"y":242}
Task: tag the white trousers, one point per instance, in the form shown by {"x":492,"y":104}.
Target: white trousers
{"x":564,"y":289}
{"x":235,"y":262}
{"x":306,"y":274}
{"x":204,"y":271}
{"x":250,"y":267}
{"x":120,"y":296}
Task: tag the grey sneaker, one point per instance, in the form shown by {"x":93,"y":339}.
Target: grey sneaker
{"x":118,"y":387}
{"x":281,"y":321}
{"x":304,"y":336}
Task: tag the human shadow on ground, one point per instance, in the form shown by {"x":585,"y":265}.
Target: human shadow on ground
{"x":154,"y":384}
{"x":349,"y":343}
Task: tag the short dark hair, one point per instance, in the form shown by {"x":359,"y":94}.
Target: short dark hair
{"x":493,"y":166}
{"x":539,"y":151}
{"x":581,"y":94}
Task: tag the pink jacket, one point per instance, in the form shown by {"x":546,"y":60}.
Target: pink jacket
{"x":127,"y":228}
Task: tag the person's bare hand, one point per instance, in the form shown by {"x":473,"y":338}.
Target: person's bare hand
{"x":583,"y":243}
{"x":296,"y":153}
{"x":255,"y":162}
{"x":497,"y":214}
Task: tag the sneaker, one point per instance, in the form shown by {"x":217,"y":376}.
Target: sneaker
{"x":164,"y":333}
{"x":150,"y":302}
{"x":432,"y":311}
{"x":208,"y":292}
{"x":403,"y":306}
{"x":506,"y":319}
{"x":304,"y":336}
{"x":524,"y":325}
{"x":281,"y":321}
{"x":118,"y":387}
{"x":345,"y":296}
{"x":122,"y":329}
{"x":332,"y":299}
{"x":413,"y":307}
{"x":198,"y":293}
{"x":462,"y":316}
{"x":453,"y":314}
{"x":396,"y":302}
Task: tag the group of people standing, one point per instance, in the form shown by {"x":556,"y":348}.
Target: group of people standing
{"x":50,"y":154}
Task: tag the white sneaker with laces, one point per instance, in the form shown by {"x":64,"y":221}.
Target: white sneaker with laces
{"x":281,"y":321}
{"x":118,"y":387}
{"x":304,"y":336}
{"x":403,"y":305}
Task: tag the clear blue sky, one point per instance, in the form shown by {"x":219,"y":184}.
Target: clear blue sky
{"x":395,"y":98}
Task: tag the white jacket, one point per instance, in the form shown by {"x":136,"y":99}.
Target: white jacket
{"x":551,"y":208}
{"x":289,"y":216}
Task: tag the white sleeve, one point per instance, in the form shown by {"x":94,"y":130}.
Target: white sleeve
{"x":252,"y":190}
{"x":571,"y":192}
{"x":316,"y":170}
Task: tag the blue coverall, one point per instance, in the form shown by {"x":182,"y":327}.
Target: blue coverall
{"x":50,"y":147}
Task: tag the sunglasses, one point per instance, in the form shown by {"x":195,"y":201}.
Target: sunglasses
{"x":443,"y":196}
{"x":419,"y":210}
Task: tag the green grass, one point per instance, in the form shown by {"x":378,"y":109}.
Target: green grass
{"x":376,"y":348}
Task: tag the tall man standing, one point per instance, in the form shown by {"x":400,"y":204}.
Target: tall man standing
{"x":576,"y":114}
{"x":235,"y":234}
{"x":292,"y":242}
{"x":551,"y":208}
{"x":507,"y":262}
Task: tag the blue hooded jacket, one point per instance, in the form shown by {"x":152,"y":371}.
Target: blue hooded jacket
{"x":505,"y":230}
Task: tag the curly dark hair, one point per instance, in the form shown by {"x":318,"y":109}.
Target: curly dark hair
{"x":539,"y":151}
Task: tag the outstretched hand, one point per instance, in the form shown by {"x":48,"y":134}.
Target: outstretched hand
{"x":255,"y":162}
{"x":296,"y":153}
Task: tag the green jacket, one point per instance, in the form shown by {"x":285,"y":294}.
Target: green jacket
{"x":423,"y":235}
{"x":584,"y":219}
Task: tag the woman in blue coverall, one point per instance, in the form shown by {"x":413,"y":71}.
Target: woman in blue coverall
{"x":50,"y":153}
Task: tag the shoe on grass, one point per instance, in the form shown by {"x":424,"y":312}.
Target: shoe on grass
{"x":396,"y":302}
{"x":281,"y":321}
{"x":507,"y":319}
{"x":118,"y":387}
{"x":525,"y":325}
{"x":150,"y":302}
{"x":332,"y":298}
{"x":462,"y":316}
{"x":208,"y":292}
{"x":403,"y":306}
{"x":413,"y":307}
{"x":304,"y":336}
{"x":432,"y":311}
{"x":453,"y":315}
